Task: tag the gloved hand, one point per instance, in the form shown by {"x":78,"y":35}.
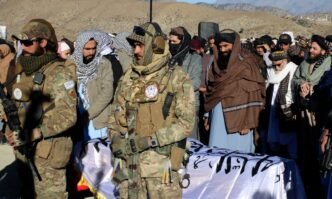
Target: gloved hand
{"x":14,"y":139}
{"x":118,"y":145}
{"x":137,"y":144}
{"x":123,"y":147}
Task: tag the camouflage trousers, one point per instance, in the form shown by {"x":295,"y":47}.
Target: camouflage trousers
{"x":152,"y":188}
{"x":53,"y":184}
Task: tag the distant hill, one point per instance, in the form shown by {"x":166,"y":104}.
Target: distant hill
{"x":293,"y":6}
{"x":249,"y":7}
{"x":303,"y":19}
{"x":71,"y":16}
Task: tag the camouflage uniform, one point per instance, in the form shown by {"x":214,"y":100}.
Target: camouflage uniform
{"x":137,"y":113}
{"x":53,"y":148}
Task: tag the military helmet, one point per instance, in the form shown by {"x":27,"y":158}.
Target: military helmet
{"x":152,"y":30}
{"x":37,"y":28}
{"x":151,"y":35}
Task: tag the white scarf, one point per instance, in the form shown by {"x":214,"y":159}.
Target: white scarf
{"x":86,"y":72}
{"x":275,"y":78}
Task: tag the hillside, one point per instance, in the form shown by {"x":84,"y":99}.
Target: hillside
{"x":71,"y":16}
{"x":249,"y":7}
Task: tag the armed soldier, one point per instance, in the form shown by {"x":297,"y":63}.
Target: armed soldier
{"x":43,"y":76}
{"x":152,"y":115}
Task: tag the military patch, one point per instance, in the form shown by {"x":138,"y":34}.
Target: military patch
{"x":17,"y":93}
{"x":151,"y":90}
{"x":69,"y":84}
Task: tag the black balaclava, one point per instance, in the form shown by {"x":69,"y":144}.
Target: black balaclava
{"x":179,"y":51}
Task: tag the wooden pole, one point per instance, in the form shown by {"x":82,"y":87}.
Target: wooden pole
{"x":150,"y":11}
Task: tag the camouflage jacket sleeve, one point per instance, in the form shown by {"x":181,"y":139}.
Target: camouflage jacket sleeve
{"x":117,"y":121}
{"x":60,"y":114}
{"x":184,"y":100}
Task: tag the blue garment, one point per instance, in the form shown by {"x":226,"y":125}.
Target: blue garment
{"x":327,"y":184}
{"x":89,"y":131}
{"x":275,"y":136}
{"x":220,"y":138}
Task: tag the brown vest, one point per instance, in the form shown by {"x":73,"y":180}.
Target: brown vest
{"x":144,"y":112}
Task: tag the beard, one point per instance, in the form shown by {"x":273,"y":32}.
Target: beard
{"x":87,"y":60}
{"x":138,"y":60}
{"x":223,"y":60}
{"x":313,"y":59}
{"x":39,"y":52}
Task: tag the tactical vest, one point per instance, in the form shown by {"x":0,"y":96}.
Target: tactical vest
{"x":25,"y":86}
{"x":150,"y":108}
{"x":144,"y":108}
{"x":56,"y":150}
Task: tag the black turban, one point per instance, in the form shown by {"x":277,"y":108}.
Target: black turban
{"x":328,"y":38}
{"x":320,"y":41}
{"x":225,"y":37}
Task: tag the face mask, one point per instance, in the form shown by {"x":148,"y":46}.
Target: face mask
{"x":174,"y":48}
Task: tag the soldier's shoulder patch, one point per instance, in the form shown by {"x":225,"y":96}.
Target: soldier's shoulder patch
{"x":69,"y":84}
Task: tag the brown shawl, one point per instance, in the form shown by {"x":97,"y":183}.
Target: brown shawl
{"x":240,"y":89}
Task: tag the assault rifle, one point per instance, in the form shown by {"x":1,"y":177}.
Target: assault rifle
{"x":21,"y":138}
{"x":326,"y":164}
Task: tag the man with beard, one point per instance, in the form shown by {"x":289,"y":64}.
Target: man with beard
{"x":96,"y":83}
{"x":279,"y":125}
{"x":152,"y":114}
{"x":44,"y":92}
{"x":235,"y":94}
{"x":307,"y":76}
{"x":286,"y":44}
{"x":190,"y":61}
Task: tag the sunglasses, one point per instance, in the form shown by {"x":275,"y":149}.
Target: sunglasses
{"x":28,"y":42}
{"x":276,"y":65}
{"x":140,"y":31}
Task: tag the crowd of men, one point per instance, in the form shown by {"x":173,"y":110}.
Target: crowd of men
{"x":147,"y":92}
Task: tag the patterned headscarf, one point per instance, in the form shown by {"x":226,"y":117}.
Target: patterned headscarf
{"x":120,"y":42}
{"x":86,"y":72}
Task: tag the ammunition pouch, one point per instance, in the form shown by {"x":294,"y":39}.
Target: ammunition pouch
{"x":175,"y":152}
{"x":43,"y":148}
{"x":177,"y":156}
{"x":56,"y":150}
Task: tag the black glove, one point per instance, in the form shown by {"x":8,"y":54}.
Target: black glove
{"x":123,"y":147}
{"x":118,"y":145}
{"x":137,"y":144}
